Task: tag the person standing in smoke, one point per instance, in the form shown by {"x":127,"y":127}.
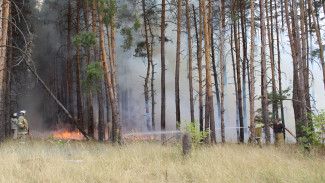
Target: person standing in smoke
{"x":23,"y":130}
{"x":14,"y":122}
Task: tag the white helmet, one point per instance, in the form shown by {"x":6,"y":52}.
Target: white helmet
{"x":14,"y":114}
{"x":23,"y":112}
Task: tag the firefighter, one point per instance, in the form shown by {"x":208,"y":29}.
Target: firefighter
{"x":23,"y":130}
{"x":278,"y":129}
{"x":258,"y":132}
{"x":14,"y":122}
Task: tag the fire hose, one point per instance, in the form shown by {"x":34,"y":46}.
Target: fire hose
{"x":27,"y":129}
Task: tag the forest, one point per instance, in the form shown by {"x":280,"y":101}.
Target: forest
{"x":105,"y":67}
{"x":162,"y":90}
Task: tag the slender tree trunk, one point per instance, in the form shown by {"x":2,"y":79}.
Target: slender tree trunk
{"x":189,"y":36}
{"x":270,"y":38}
{"x":91,"y":125}
{"x":240,"y":104}
{"x":223,"y":138}
{"x":116,"y":132}
{"x":263,"y":68}
{"x":146,"y":88}
{"x":79,"y":99}
{"x":252,"y":82}
{"x":296,"y":105}
{"x":301,"y":64}
{"x":319,"y":40}
{"x":245,"y":60}
{"x":163,"y":70}
{"x":5,"y":5}
{"x":209,"y":113}
{"x":199,"y":61}
{"x":101,"y":123}
{"x":178,"y":60}
{"x":279,"y":66}
{"x":235,"y":81}
{"x":152,"y":78}
{"x":69,"y":62}
{"x":90,"y":107}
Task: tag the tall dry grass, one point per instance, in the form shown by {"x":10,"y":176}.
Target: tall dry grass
{"x":41,"y":161}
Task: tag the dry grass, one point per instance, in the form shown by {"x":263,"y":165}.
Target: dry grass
{"x":41,"y":161}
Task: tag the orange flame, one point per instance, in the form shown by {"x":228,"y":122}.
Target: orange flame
{"x":69,"y":135}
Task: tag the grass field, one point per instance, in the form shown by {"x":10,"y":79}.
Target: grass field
{"x":44,"y":161}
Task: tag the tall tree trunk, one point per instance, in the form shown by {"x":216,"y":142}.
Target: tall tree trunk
{"x":5,"y":5}
{"x":279,"y":66}
{"x":235,"y":81}
{"x":199,"y":60}
{"x":245,"y":60}
{"x":263,"y":68}
{"x":189,"y":37}
{"x":178,"y":60}
{"x":223,"y":138}
{"x":90,"y":107}
{"x":79,"y":99}
{"x":319,"y":39}
{"x":91,"y":125}
{"x":116,"y":131}
{"x":152,"y":78}
{"x":209,"y":113}
{"x":240,"y":104}
{"x":270,"y":38}
{"x":146,"y":88}
{"x":252,"y":77}
{"x":69,"y":61}
{"x":301,"y":64}
{"x":296,"y":105}
{"x":163,"y":70}
{"x":101,"y":123}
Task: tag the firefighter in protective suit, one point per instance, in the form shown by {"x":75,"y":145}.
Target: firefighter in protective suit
{"x":23,"y":130}
{"x":14,"y":127}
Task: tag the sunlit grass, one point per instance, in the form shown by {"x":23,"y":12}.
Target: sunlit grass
{"x":43,"y":161}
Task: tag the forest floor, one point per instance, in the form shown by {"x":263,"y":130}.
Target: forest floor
{"x":80,"y":161}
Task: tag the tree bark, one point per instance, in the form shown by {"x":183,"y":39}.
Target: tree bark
{"x":270,"y":38}
{"x":263,"y":68}
{"x":223,"y":138}
{"x":252,"y":77}
{"x":69,"y":61}
{"x":146,"y":88}
{"x":319,"y":39}
{"x":116,"y":136}
{"x":178,"y":60}
{"x":163,"y":70}
{"x":199,"y":61}
{"x":189,"y":38}
{"x":209,"y":113}
{"x":79,"y":99}
{"x":279,"y":66}
{"x":239,"y":89}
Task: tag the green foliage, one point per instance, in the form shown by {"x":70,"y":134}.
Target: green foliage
{"x":93,"y":77}
{"x":315,"y":133}
{"x":85,"y":39}
{"x":272,"y":98}
{"x":137,"y":23}
{"x":140,"y":50}
{"x":58,"y":142}
{"x":193,"y":128}
{"x":126,"y":32}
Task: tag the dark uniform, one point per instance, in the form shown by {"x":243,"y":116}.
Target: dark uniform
{"x":278,"y":130}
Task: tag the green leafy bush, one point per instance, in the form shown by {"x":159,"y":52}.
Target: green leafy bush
{"x":315,"y":133}
{"x":193,"y":128}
